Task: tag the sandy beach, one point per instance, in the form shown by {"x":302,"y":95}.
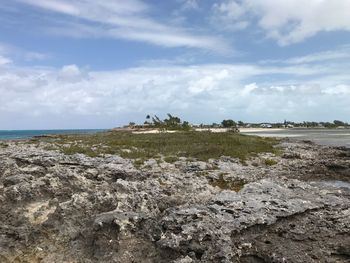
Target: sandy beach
{"x":215,"y":130}
{"x":248,"y":130}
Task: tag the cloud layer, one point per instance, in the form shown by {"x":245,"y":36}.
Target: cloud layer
{"x":288,"y":21}
{"x":205,"y":93}
{"x":122,"y":20}
{"x":197,"y":76}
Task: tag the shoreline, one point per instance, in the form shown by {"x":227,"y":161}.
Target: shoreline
{"x":328,"y":137}
{"x":247,"y":130}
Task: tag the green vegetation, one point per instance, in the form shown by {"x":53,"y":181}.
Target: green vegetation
{"x":3,"y":145}
{"x":170,"y":123}
{"x":236,"y":185}
{"x":190,"y":144}
{"x":175,"y":123}
{"x":305,"y":124}
{"x":228,"y":123}
{"x":171,"y":159}
{"x":329,"y":125}
{"x":270,"y":162}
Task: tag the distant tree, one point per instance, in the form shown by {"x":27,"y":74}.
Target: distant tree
{"x":240,"y":123}
{"x":186,"y":125}
{"x":147,"y":121}
{"x":156,"y":121}
{"x":169,"y":123}
{"x":310,"y":124}
{"x":132,"y":124}
{"x":172,"y":121}
{"x":339,"y":123}
{"x":328,"y":125}
{"x":228,"y":123}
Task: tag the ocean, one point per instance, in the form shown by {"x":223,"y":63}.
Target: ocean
{"x":27,"y":134}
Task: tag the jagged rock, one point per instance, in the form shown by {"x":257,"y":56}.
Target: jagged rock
{"x":291,"y":155}
{"x":119,"y":218}
{"x":59,"y":208}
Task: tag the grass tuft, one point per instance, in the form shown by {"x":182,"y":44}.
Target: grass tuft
{"x":270,"y":162}
{"x":236,"y":185}
{"x":196,"y":145}
{"x":3,"y":145}
{"x":171,"y":159}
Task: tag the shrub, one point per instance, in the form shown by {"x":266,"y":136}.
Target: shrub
{"x":270,"y":162}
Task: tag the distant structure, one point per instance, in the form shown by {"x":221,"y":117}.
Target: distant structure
{"x":265,"y":125}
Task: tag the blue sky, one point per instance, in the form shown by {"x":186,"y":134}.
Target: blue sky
{"x":100,"y":64}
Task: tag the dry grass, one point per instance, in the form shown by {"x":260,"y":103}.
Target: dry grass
{"x":235,"y":185}
{"x":198,"y":145}
{"x":270,"y":162}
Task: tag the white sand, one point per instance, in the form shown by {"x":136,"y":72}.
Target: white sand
{"x":215,"y":130}
{"x":152,"y":131}
{"x":248,"y":130}
{"x":212,"y":129}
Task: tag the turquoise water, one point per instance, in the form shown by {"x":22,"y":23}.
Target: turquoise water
{"x":26,"y":134}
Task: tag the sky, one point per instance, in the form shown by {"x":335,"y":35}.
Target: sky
{"x":101,"y":64}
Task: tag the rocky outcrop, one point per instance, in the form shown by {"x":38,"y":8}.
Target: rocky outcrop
{"x":58,"y":208}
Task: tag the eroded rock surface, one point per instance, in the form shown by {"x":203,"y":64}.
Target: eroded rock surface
{"x":58,"y":208}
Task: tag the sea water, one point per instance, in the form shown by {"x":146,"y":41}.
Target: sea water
{"x":27,"y":134}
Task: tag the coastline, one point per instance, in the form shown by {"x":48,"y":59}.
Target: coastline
{"x":28,"y":134}
{"x":247,"y":130}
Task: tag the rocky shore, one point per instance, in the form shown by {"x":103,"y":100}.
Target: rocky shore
{"x":292,"y":207}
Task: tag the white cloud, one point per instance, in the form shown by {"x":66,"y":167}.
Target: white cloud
{"x":17,"y":53}
{"x":248,"y":89}
{"x":338,"y":90}
{"x":208,"y":83}
{"x":289,"y":21}
{"x":231,"y":9}
{"x":342,"y":53}
{"x":53,"y":5}
{"x":172,"y":39}
{"x":35,"y":56}
{"x":287,"y":90}
{"x":4,"y":61}
{"x":124,"y":20}
{"x":229,"y":15}
{"x":203,"y":93}
{"x":190,"y":4}
{"x":70,"y":73}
